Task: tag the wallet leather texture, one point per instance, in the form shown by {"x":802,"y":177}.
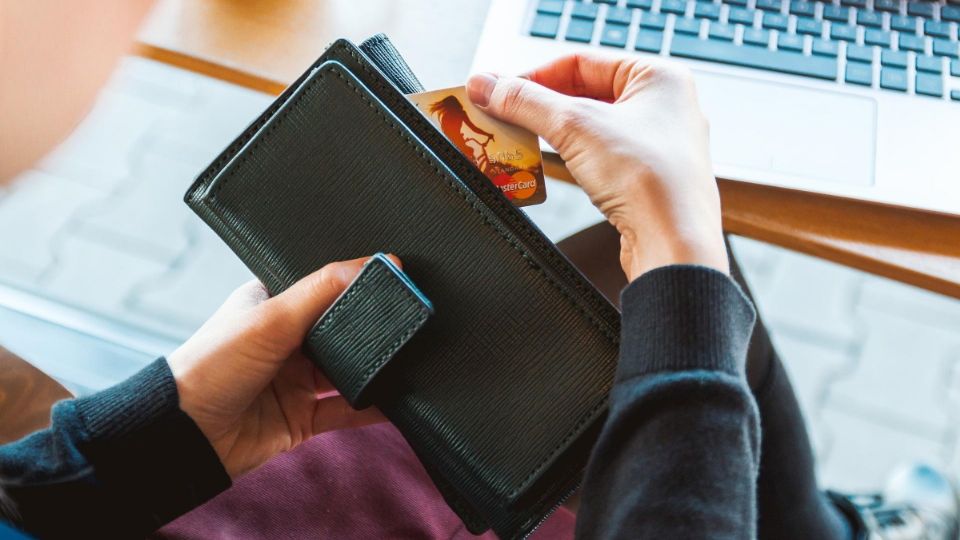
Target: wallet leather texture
{"x":365,"y":327}
{"x":501,"y":393}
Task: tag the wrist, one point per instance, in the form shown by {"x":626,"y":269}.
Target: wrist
{"x":641,"y":254}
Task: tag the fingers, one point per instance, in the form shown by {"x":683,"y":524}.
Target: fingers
{"x":335,"y":413}
{"x":587,"y":75}
{"x":247,"y":295}
{"x":522,"y":102}
{"x":593,"y":76}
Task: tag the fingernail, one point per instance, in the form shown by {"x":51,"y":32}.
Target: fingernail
{"x":480,"y":87}
{"x":395,"y":260}
{"x":343,"y":272}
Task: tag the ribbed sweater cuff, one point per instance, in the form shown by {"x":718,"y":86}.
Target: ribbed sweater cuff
{"x":133,"y":404}
{"x":684,"y":317}
{"x":144,"y":448}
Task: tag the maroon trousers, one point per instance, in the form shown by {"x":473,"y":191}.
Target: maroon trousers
{"x":363,"y":483}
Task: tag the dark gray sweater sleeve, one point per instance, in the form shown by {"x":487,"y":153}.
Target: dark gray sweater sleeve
{"x":678,"y":455}
{"x":116,"y":464}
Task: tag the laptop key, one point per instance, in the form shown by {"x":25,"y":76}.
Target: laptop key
{"x":825,"y":47}
{"x":950,"y":13}
{"x":920,"y":9}
{"x":673,"y":6}
{"x":955,"y":95}
{"x":579,"y":30}
{"x":803,"y":8}
{"x":614,"y":35}
{"x":910,"y":42}
{"x":876,"y":37}
{"x":890,"y":6}
{"x":859,"y":53}
{"x":775,"y":21}
{"x":937,"y":29}
{"x":893,"y":79}
{"x":769,"y":5}
{"x":903,"y":24}
{"x":896,"y":59}
{"x":809,"y":27}
{"x":655,"y":21}
{"x":550,"y":7}
{"x":929,"y":64}
{"x":684,"y":25}
{"x":545,"y":26}
{"x":929,"y":85}
{"x":756,"y":36}
{"x":704,"y":10}
{"x":854,"y":3}
{"x":640,"y":4}
{"x":741,"y":3}
{"x":790,"y":42}
{"x":943,"y":47}
{"x":955,"y":68}
{"x":619,"y":15}
{"x":869,"y":18}
{"x":721,"y":31}
{"x":649,"y":41}
{"x":836,"y":13}
{"x":858,"y":73}
{"x":754,"y":57}
{"x":843,"y":31}
{"x":741,"y":16}
{"x":584,"y":11}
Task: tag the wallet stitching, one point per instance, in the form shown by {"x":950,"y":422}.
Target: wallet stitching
{"x":393,"y":347}
{"x":351,"y":292}
{"x":577,"y":280}
{"x":251,"y":131}
{"x":589,"y":415}
{"x":456,"y":186}
{"x":207,"y":176}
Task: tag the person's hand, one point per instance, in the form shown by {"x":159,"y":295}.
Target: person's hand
{"x":244,"y":381}
{"x":632,"y":134}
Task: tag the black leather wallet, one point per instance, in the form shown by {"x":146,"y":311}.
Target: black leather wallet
{"x":502,"y":391}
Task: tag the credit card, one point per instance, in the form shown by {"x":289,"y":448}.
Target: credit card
{"x":508,"y":155}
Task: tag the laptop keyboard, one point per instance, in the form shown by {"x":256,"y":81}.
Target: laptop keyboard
{"x":899,"y":46}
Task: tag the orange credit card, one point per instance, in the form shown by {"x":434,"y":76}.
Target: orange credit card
{"x":508,"y":155}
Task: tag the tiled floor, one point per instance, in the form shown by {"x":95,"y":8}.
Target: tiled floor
{"x":100,"y":225}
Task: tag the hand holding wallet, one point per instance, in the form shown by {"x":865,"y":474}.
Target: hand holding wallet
{"x":503,"y":389}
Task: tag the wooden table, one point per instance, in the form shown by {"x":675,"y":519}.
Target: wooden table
{"x":266,"y":44}
{"x":26,"y":396}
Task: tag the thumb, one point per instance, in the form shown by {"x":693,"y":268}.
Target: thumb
{"x":520,"y":101}
{"x":299,"y":307}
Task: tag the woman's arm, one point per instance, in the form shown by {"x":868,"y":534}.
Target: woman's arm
{"x":678,"y":455}
{"x":122,"y":462}
{"x":117,"y":464}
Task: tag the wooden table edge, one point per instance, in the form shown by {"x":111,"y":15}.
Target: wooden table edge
{"x":901,"y":260}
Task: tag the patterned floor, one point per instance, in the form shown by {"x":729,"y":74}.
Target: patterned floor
{"x":100,"y":225}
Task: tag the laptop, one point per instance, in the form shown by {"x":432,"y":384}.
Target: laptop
{"x":856,"y":98}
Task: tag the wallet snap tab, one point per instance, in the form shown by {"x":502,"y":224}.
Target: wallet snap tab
{"x":364,"y":328}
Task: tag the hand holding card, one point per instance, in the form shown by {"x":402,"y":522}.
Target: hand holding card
{"x":508,"y":155}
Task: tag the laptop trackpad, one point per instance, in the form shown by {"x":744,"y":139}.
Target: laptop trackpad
{"x":773,"y":131}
